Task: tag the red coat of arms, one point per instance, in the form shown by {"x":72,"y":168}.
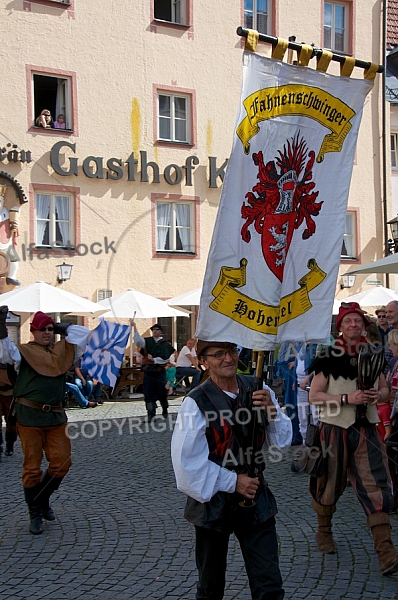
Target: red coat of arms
{"x":281,"y":201}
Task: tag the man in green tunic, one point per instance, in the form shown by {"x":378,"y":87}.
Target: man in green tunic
{"x":41,"y":366}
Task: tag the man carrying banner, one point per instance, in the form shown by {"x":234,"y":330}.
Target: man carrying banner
{"x":348,"y":434}
{"x":157,"y":353}
{"x":39,"y":391}
{"x":210,"y":452}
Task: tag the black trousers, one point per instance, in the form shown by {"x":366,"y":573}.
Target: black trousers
{"x":154,"y":385}
{"x":260,"y":552}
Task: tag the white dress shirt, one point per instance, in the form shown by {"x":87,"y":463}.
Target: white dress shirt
{"x":196,"y":475}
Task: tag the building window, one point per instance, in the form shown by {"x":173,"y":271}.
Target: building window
{"x":257,"y":15}
{"x":336,"y":26}
{"x":171,"y":11}
{"x":175,"y":227}
{"x":103,"y":295}
{"x":349,"y":240}
{"x":394,"y":157}
{"x":53,"y":92}
{"x":174,"y":117}
{"x":54,"y":220}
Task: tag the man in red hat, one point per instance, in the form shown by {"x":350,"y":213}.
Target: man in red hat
{"x":348,"y":434}
{"x":212,"y":452}
{"x":39,"y":390}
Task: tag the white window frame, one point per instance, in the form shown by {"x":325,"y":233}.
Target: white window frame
{"x":252,"y":16}
{"x":52,"y":220}
{"x":394,"y":150}
{"x":332,"y":28}
{"x":178,"y":11}
{"x":103,"y":295}
{"x":172,"y":118}
{"x":63,"y":100}
{"x":349,"y":238}
{"x":172,"y":228}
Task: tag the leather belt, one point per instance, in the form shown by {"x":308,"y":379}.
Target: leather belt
{"x":38,"y":406}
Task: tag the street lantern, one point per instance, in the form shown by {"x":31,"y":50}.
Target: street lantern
{"x":394,"y":234}
{"x":64,"y":272}
{"x":347,"y":281}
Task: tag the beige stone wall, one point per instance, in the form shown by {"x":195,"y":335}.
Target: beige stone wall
{"x":118,"y":59}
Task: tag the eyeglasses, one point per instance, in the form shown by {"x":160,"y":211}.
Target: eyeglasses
{"x":50,"y":328}
{"x":221,"y":354}
{"x":382,"y":316}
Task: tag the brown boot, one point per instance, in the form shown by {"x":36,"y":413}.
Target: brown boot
{"x":379,"y":524}
{"x":324,"y":536}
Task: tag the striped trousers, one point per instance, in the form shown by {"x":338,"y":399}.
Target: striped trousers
{"x":360,"y":453}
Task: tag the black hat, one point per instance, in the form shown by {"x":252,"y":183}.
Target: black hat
{"x":156,"y":326}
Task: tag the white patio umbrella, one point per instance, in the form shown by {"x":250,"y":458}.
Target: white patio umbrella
{"x":133,"y":304}
{"x":191,"y":298}
{"x":388,"y":264}
{"x":49,"y":299}
{"x":376,"y":296}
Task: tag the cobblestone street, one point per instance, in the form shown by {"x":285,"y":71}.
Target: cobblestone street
{"x":120,"y":532}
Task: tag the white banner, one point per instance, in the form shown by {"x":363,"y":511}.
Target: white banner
{"x":274,"y":258}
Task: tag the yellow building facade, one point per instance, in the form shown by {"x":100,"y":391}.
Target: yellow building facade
{"x":128,"y":191}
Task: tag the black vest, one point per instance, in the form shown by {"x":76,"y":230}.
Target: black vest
{"x":229,"y":438}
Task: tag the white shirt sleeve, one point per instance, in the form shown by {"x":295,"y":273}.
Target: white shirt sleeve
{"x":138,"y":340}
{"x":195,"y":474}
{"x":78,"y":336}
{"x":9,"y":353}
{"x":279,"y":431}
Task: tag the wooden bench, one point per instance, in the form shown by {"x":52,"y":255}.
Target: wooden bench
{"x":128,"y":376}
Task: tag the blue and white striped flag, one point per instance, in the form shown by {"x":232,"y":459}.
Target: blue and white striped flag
{"x":105,"y":351}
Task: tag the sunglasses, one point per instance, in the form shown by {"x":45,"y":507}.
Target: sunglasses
{"x":49,"y":328}
{"x":382,"y":316}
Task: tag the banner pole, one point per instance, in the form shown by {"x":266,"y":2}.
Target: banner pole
{"x":269,"y":39}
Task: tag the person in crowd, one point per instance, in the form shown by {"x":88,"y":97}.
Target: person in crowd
{"x":60,"y":122}
{"x":392,"y":318}
{"x":210,"y":449}
{"x":305,"y":356}
{"x":244,"y":360}
{"x":82,"y":400}
{"x":156,"y":354}
{"x":348,"y":433}
{"x":6,"y":394}
{"x":171,"y":369}
{"x":187,"y":365}
{"x":392,"y":381}
{"x":384,"y":426}
{"x":285,"y":367}
{"x":88,"y":387}
{"x":45,"y":119}
{"x":39,"y":391}
{"x":382,"y":324}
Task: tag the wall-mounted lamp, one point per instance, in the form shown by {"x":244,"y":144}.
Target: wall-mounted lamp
{"x":393,"y":243}
{"x":64,"y":272}
{"x":347,"y":281}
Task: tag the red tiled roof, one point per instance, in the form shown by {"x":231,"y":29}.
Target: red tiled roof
{"x":392,"y":23}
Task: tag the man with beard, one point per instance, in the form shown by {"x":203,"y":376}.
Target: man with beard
{"x":348,"y":433}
